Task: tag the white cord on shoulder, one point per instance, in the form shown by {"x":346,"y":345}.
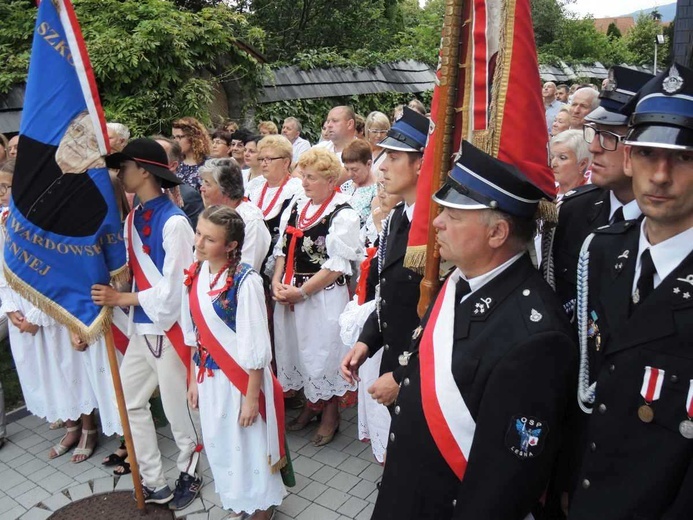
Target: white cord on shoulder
{"x":586,"y":391}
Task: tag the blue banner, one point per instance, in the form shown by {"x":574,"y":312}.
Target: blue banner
{"x":64,"y":230}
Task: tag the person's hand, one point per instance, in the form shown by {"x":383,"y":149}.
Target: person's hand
{"x":352,"y":361}
{"x":250,"y":409}
{"x":277,"y":292}
{"x":28,"y":327}
{"x":16,"y":317}
{"x":105,"y":295}
{"x":290,"y":294}
{"x":78,"y":343}
{"x":385,"y":389}
{"x":192,"y":394}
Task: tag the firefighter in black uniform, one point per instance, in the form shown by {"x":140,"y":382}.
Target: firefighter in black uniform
{"x":397,"y":292}
{"x":608,"y":199}
{"x":635,"y":322}
{"x":487,"y":381}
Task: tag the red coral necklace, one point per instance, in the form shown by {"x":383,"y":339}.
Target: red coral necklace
{"x":274,"y":200}
{"x":304,"y":223}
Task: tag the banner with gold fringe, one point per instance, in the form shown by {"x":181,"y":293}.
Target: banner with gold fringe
{"x":64,"y":232}
{"x":496,"y":103}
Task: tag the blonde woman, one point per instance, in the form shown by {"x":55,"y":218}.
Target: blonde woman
{"x":377,"y":125}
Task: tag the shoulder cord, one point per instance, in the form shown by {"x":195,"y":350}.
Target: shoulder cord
{"x":382,"y":246}
{"x":586,"y":392}
{"x":547,"y":256}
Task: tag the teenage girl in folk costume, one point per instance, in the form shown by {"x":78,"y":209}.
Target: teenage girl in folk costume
{"x":240,"y":400}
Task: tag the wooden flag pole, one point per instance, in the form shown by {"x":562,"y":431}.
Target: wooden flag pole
{"x":450,"y":69}
{"x":125,"y":423}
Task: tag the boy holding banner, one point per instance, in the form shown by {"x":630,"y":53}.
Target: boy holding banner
{"x":160,"y":246}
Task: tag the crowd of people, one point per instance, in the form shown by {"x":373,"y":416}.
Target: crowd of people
{"x":270,"y":274}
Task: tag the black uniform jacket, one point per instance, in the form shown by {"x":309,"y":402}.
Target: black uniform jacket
{"x":516,"y":361}
{"x":399,"y":293}
{"x":581,"y":211}
{"x":632,"y":469}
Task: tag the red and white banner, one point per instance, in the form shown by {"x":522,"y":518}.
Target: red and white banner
{"x":689,"y":400}
{"x":652,"y":384}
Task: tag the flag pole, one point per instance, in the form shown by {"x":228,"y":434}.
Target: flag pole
{"x":125,"y":423}
{"x":451,"y":49}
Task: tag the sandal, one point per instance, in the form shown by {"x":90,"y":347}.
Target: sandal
{"x":124,"y":467}
{"x":60,"y":449}
{"x":114,"y":459}
{"x":321,"y":440}
{"x":86,"y":452}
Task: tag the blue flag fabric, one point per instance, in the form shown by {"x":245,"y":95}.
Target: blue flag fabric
{"x":64,"y":230}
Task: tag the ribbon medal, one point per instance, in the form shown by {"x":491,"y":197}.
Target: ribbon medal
{"x":650,"y":391}
{"x":686,"y":427}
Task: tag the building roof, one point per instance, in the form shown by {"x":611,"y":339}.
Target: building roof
{"x":293,"y":83}
{"x":623,"y":23}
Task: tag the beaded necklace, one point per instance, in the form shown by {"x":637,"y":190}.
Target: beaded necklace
{"x":304,"y":223}
{"x":274,"y":200}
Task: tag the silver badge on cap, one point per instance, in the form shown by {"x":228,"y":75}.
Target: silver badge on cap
{"x":673,"y":83}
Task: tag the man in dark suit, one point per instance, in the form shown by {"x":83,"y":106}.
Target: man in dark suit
{"x":610,"y":196}
{"x":487,"y":382}
{"x":635,"y":320}
{"x":397,"y":294}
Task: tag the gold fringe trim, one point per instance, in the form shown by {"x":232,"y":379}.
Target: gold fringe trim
{"x":501,"y":79}
{"x":547,"y":213}
{"x":278,"y":466}
{"x":88,"y":333}
{"x":120,"y":275}
{"x":415,"y":259}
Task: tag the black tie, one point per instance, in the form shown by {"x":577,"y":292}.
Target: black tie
{"x":646,"y":281}
{"x":618,"y":216}
{"x":462,"y":289}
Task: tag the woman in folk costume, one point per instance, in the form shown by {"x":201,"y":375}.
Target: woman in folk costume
{"x":319,"y":241}
{"x":62,"y":378}
{"x":240,"y":400}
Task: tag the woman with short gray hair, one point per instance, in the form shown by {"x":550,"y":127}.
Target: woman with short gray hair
{"x":570,"y":158}
{"x":222,"y":184}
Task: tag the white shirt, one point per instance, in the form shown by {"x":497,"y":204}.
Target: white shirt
{"x":666,"y":255}
{"x":631,"y":211}
{"x":293,"y":187}
{"x":300,"y":146}
{"x":257,"y":237}
{"x":161,"y":302}
{"x":478,"y":282}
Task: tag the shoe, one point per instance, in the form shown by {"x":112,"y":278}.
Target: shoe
{"x":114,"y":459}
{"x":60,"y":449}
{"x":162,"y":496}
{"x":321,"y":440}
{"x":187,"y":489}
{"x":86,"y":452}
{"x":296,"y":424}
{"x":256,"y":515}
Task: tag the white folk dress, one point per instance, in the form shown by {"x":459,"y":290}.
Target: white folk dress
{"x":306,"y":335}
{"x":238,"y":456}
{"x":57,"y":381}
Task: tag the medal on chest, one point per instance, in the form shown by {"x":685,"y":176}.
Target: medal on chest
{"x":686,"y":426}
{"x":650,"y":391}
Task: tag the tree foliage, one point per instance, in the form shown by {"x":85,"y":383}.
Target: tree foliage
{"x":153,"y":61}
{"x":640,"y":40}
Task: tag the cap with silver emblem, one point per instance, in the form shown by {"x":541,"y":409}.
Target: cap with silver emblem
{"x":661,"y":114}
{"x":622,"y":84}
{"x":408,"y":134}
{"x":479,"y":181}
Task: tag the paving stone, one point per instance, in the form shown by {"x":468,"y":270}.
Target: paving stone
{"x":217,"y":513}
{"x":198,"y":516}
{"x":29,"y":441}
{"x":196,"y":507}
{"x":79,"y":492}
{"x":355,"y":447}
{"x":343,"y":481}
{"x":332,"y":498}
{"x":31,"y":421}
{"x":38,"y":476}
{"x":91,"y":474}
{"x":296,"y":442}
{"x":366,"y":513}
{"x":374,"y":472}
{"x":324,"y":474}
{"x":103,"y":485}
{"x":363,"y":489}
{"x":306,"y":466}
{"x":33,"y":497}
{"x":31,"y":465}
{"x":352,"y":507}
{"x":373,"y":497}
{"x":124,"y":483}
{"x":11,"y":478}
{"x":293,"y":505}
{"x":330,"y":457}
{"x":20,"y":489}
{"x":308,"y":450}
{"x":56,"y":482}
{"x":7,"y":503}
{"x":353,"y":465}
{"x":301,"y":482}
{"x":13,"y":514}
{"x":56,"y":501}
{"x":313,"y":491}
{"x":317,"y":512}
{"x":10,"y":451}
{"x":36,"y":513}
{"x":13,"y":428}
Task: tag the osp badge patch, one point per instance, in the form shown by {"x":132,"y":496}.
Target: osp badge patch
{"x":525,"y":436}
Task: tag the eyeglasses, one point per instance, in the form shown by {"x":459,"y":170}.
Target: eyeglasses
{"x":179,"y":137}
{"x":4,"y":188}
{"x":381,"y":186}
{"x":219,"y":141}
{"x":267,"y":160}
{"x":374,"y":131}
{"x":607,"y":140}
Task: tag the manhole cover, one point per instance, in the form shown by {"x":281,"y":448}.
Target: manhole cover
{"x":109,"y":506}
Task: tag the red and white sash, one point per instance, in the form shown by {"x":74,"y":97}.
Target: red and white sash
{"x":449,"y":420}
{"x":119,"y":327}
{"x":221,"y":343}
{"x":147,"y":274}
